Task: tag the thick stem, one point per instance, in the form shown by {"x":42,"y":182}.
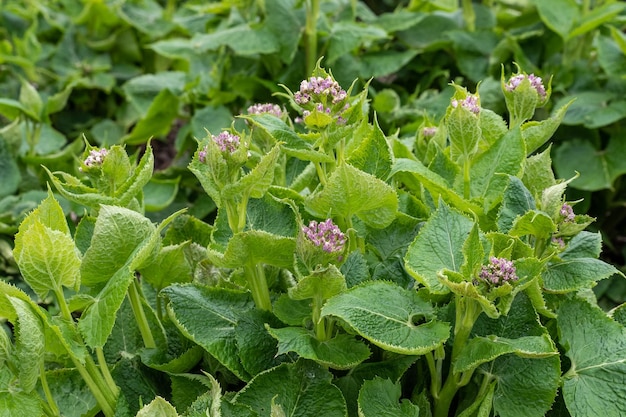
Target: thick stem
{"x":466,"y":179}
{"x":310,"y":30}
{"x":140,"y":315}
{"x":104,"y":368}
{"x":103,"y":400}
{"x":65,"y":310}
{"x":257,"y":283}
{"x":320,"y":325}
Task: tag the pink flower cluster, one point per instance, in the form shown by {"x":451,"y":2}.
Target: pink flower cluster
{"x":226,"y":141}
{"x":535,"y":82}
{"x":95,"y":157}
{"x":260,"y":108}
{"x":567,"y":212}
{"x":326,"y":235}
{"x":470,"y":103}
{"x":318,"y":86}
{"x":498,"y":271}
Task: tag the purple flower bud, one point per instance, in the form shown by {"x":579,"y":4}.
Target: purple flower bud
{"x":226,"y":141}
{"x":498,"y":271}
{"x":470,"y":103}
{"x":260,"y":108}
{"x":95,"y":157}
{"x":567,"y":213}
{"x":202,"y":155}
{"x":429,"y":132}
{"x":558,"y":242}
{"x":325,"y":235}
{"x":321,"y":87}
{"x":535,"y":82}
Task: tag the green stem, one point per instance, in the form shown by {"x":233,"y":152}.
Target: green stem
{"x":257,"y":283}
{"x":469,"y":15}
{"x":65,"y":310}
{"x":108,"y":407}
{"x":310,"y":31}
{"x":140,"y":315}
{"x":104,"y":368}
{"x":320,"y":328}
{"x":466,"y":179}
{"x":435,"y":380}
{"x":321,"y":173}
{"x":467,"y":311}
{"x":46,"y":390}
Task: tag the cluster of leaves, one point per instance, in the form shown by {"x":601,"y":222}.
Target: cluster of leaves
{"x":251,"y":315}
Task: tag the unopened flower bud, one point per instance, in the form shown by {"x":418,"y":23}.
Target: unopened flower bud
{"x":95,"y":158}
{"x":567,"y":212}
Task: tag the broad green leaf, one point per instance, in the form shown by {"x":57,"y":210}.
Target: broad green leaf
{"x":9,"y":170}
{"x":48,"y":259}
{"x":559,"y":15}
{"x":598,"y":169}
{"x":347,"y":36}
{"x":485,"y":349}
{"x":271,"y":215}
{"x":157,"y":121}
{"x":158,"y":407}
{"x":390,"y":317}
{"x":283,"y":21}
{"x":341,"y":352}
{"x":473,"y":253}
{"x":351,"y":383}
{"x":49,"y":213}
{"x":254,"y":247}
{"x":516,"y":202}
{"x":257,"y":348}
{"x":323,"y":283}
{"x":170,"y":266}
{"x":292,"y":312}
{"x":16,"y":404}
{"x":438,"y":245}
{"x":506,"y":157}
{"x":352,"y":192}
{"x":137,"y":385}
{"x":535,"y":223}
{"x":433,"y":182}
{"x":381,"y":398}
{"x":141,"y":91}
{"x":11,"y":109}
{"x":464,"y":132}
{"x":596,"y":347}
{"x":29,"y":344}
{"x":613,"y":62}
{"x":70,"y":392}
{"x":535,"y":133}
{"x":583,"y":245}
{"x":576,"y":274}
{"x":210,"y":316}
{"x":158,"y":194}
{"x":373,"y":154}
{"x":189,"y":393}
{"x":301,"y":389}
{"x":243,"y":39}
{"x":31,"y":100}
{"x":118,"y":236}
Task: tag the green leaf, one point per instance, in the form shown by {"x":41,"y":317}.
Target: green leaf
{"x":283,"y":21}
{"x":559,"y":15}
{"x":373,"y":154}
{"x":256,"y":182}
{"x":473,"y":253}
{"x":118,"y":236}
{"x":352,"y":192}
{"x":323,"y":282}
{"x":341,"y":352}
{"x":210,"y":316}
{"x":598,"y":16}
{"x":516,"y":202}
{"x":11,"y":109}
{"x":158,"y":194}
{"x":538,"y":173}
{"x":433,"y":182}
{"x":158,"y":407}
{"x":14,"y":404}
{"x":598,"y":169}
{"x":269,"y":214}
{"x":169,"y":267}
{"x":9,"y":170}
{"x":536,"y":133}
{"x":157,"y":121}
{"x":596,"y":347}
{"x":243,"y":39}
{"x":297,"y":388}
{"x":346,"y":36}
{"x":485,"y":349}
{"x":506,"y":156}
{"x":381,"y":398}
{"x":438,"y":245}
{"x":390,"y":317}
{"x":256,"y":246}
{"x":583,"y":245}
{"x":70,"y":392}
{"x":29,"y":344}
{"x":141,"y":91}
{"x":30,"y":99}
{"x":535,"y":223}
{"x":575,"y":274}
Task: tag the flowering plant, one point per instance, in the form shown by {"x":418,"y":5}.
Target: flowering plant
{"x":346,"y":273}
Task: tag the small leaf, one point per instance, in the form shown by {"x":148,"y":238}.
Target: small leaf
{"x":256,"y":182}
{"x":158,"y":407}
{"x":323,"y":283}
{"x":517,"y":201}
{"x":373,"y":155}
{"x":29,"y":344}
{"x":297,"y":388}
{"x":381,"y":398}
{"x":535,"y":133}
{"x":389,"y":316}
{"x":596,"y":347}
{"x":256,"y":246}
{"x":352,"y":192}
{"x":341,"y":352}
{"x":535,"y":223}
{"x":170,"y":266}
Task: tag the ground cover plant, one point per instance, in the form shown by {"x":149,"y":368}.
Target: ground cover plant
{"x":347,"y":272}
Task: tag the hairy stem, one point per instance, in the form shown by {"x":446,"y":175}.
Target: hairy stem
{"x":255,"y":274}
{"x":54,"y":409}
{"x":140,"y":315}
{"x":310,"y":31}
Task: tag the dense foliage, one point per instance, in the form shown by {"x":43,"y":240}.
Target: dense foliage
{"x":199,"y":219}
